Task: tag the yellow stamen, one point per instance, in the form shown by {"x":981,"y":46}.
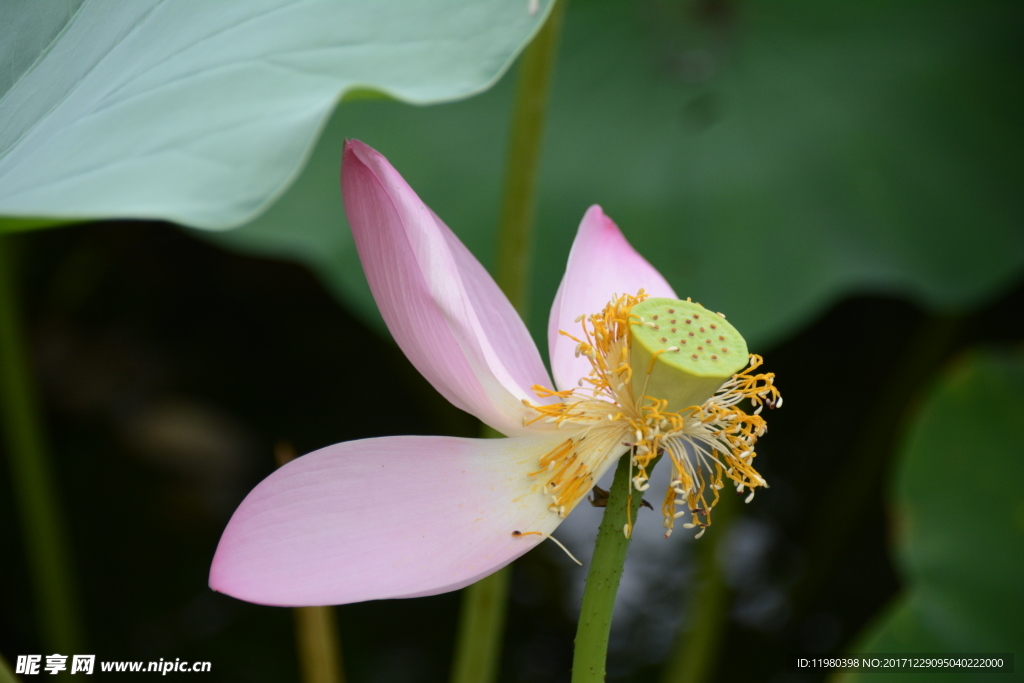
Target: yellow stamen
{"x":572,"y":557}
{"x":706,"y":443}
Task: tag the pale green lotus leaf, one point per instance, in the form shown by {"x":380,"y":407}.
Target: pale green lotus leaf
{"x":202,"y":112}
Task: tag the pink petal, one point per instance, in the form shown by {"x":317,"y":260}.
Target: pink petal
{"x":443,"y":309}
{"x":384,"y":518}
{"x":601,"y":264}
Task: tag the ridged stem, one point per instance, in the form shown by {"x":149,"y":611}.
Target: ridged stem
{"x":591,"y":653}
{"x":484,"y":604}
{"x":35,"y":492}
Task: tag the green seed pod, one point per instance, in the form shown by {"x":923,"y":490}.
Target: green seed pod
{"x":682,"y":352}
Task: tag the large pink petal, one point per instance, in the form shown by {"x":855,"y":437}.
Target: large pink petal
{"x":443,"y":309}
{"x":601,"y":264}
{"x":384,"y":518}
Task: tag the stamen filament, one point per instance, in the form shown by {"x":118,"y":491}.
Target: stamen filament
{"x":706,"y":443}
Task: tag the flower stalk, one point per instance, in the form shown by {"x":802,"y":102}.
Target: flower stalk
{"x":481,"y":621}
{"x":481,"y":629}
{"x":316,"y":635}
{"x":317,"y":641}
{"x":591,"y":653}
{"x":485,"y":603}
{"x":6,"y":674}
{"x":35,"y":492}
{"x":519,"y":200}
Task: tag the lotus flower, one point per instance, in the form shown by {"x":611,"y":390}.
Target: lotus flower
{"x":635,"y":370}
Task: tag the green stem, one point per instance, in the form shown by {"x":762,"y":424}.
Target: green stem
{"x":316,"y":628}
{"x":588,"y":663}
{"x":522,"y":165}
{"x":484,"y":604}
{"x":6,"y":674}
{"x":316,"y":635}
{"x":481,"y":629}
{"x":35,"y":492}
{"x":482,"y":620}
{"x":694,"y":653}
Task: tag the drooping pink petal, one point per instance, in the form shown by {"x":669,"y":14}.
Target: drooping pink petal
{"x":443,"y":309}
{"x":601,"y":264}
{"x":385,"y":518}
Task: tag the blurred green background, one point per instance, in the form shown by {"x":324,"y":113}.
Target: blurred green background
{"x":841,"y":179}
